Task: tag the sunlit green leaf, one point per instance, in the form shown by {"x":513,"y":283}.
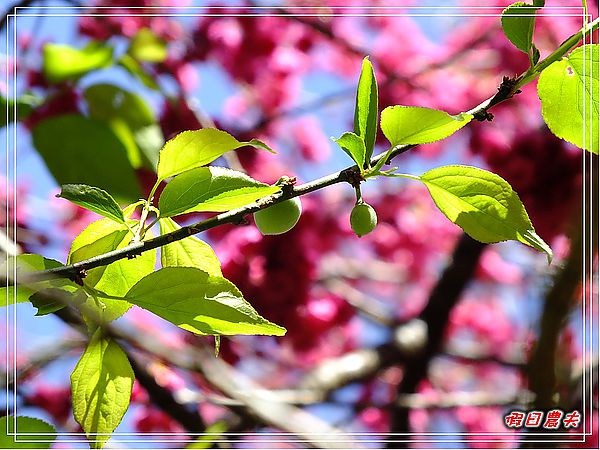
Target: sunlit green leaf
{"x":483,"y":204}
{"x":101,"y":387}
{"x":191,"y":149}
{"x":366,"y":109}
{"x":63,"y":62}
{"x":115,"y":279}
{"x":417,"y":125}
{"x":29,"y":433}
{"x":188,"y":252}
{"x":568,"y":90}
{"x":94,"y":199}
{"x":354,"y":147}
{"x":198,"y":302}
{"x":210,"y":189}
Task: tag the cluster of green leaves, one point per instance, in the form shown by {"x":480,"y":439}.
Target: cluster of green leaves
{"x":482,"y":203}
{"x":188,"y":291}
{"x":63,"y":63}
{"x":119,"y":132}
{"x":567,"y":86}
{"x":19,"y":108}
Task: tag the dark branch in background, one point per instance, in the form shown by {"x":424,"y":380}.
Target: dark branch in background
{"x":164,"y":400}
{"x":250,"y":401}
{"x":41,"y":358}
{"x":557,"y":304}
{"x":160,"y":396}
{"x":442,"y":299}
{"x":416,"y":341}
{"x":560,"y":298}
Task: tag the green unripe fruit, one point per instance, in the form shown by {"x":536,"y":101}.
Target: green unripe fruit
{"x":279,"y":218}
{"x":363,"y":219}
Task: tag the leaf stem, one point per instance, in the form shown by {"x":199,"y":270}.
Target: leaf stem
{"x":154,"y":188}
{"x":408,"y":176}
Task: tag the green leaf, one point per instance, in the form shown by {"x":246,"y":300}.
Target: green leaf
{"x":191,"y":149}
{"x":188,"y":252}
{"x":483,"y":204}
{"x":206,"y":440}
{"x":354,"y":147}
{"x":51,"y":300}
{"x":94,"y":199}
{"x":101,"y":388}
{"x":107,"y":101}
{"x":198,"y":302}
{"x":131,"y":119}
{"x":568,"y":90}
{"x":27,"y":263}
{"x":25,"y":104}
{"x":518,"y":22}
{"x":539,"y":3}
{"x":149,"y":140}
{"x":78,"y":150}
{"x":147,"y":46}
{"x":210,"y":189}
{"x":62,"y":62}
{"x":366,"y":108}
{"x":24,"y":435}
{"x":117,"y":278}
{"x":135,"y":69}
{"x":417,"y":125}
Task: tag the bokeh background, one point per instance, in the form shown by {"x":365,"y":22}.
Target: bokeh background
{"x":412,"y":329}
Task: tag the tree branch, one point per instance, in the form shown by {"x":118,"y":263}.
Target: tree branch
{"x":442,"y":299}
{"x":235,"y":215}
{"x":163,"y":398}
{"x":507,"y":89}
{"x":560,"y":297}
{"x":250,"y":400}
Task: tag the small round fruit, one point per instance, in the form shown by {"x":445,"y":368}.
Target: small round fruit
{"x":363,"y":219}
{"x":279,"y":218}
